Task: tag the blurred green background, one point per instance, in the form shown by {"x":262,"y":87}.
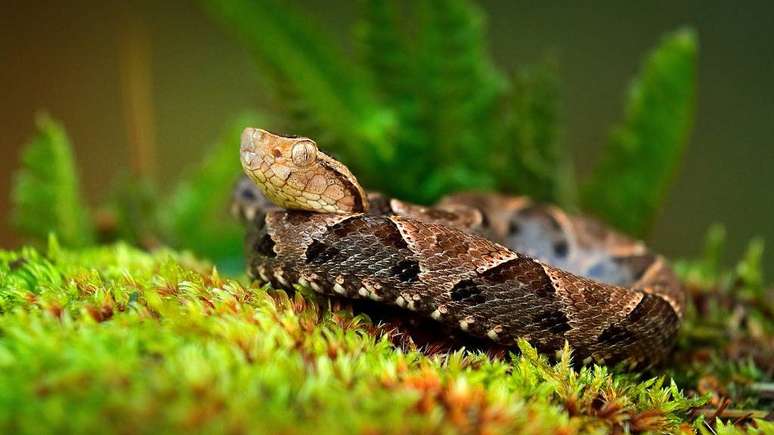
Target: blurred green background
{"x":123,"y":77}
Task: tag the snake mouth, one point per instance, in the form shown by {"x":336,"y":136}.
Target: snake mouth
{"x":248,"y":149}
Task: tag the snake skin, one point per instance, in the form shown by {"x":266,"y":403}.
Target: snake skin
{"x":495,"y":267}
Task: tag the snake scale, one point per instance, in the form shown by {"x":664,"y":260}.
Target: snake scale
{"x":495,"y":267}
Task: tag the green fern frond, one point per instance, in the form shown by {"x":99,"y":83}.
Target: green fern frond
{"x":531,"y":159}
{"x":46,"y":196}
{"x":289,"y":47}
{"x":384,"y":51}
{"x":196,"y":216}
{"x":638,"y":164}
{"x":459,"y":86}
{"x":390,"y":61}
{"x":750,"y":274}
{"x":422,"y":114}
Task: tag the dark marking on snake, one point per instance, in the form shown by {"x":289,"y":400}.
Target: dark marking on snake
{"x":318,"y":252}
{"x":406,"y":271}
{"x":468,"y":291}
{"x":265,"y":246}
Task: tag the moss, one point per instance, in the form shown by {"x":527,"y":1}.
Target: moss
{"x":113,"y":339}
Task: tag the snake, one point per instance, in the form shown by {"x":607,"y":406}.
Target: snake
{"x":491,"y":266}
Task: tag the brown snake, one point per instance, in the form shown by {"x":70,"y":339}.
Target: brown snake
{"x":496,"y":267}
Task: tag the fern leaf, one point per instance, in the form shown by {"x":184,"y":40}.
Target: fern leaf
{"x":293,"y":51}
{"x":750,"y":273}
{"x":638,"y":164}
{"x":459,"y":84}
{"x":531,"y":160}
{"x":390,"y":61}
{"x":197,"y":215}
{"x":384,"y":50}
{"x":46,"y":196}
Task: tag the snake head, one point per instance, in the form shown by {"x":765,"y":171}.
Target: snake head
{"x":293,"y":173}
{"x":259,"y":147}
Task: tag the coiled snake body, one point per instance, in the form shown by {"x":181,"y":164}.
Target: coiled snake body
{"x":493,"y":266}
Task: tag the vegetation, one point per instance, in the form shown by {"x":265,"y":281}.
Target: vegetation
{"x":46,"y":191}
{"x":414,"y":115}
{"x":113,"y":337}
{"x":649,"y":144}
{"x":156,"y":340}
{"x":421,"y":119}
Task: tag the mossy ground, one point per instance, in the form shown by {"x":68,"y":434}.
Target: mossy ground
{"x":116,"y":340}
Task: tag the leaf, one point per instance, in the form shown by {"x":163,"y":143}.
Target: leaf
{"x":46,"y":196}
{"x":643,"y":154}
{"x":384,"y":51}
{"x":459,"y":86}
{"x":750,"y":272}
{"x":714,"y":247}
{"x":531,"y":159}
{"x":303,"y":59}
{"x":196,"y":216}
{"x":390,"y":62}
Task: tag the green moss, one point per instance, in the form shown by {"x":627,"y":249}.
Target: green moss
{"x":726,"y":345}
{"x":114,"y":339}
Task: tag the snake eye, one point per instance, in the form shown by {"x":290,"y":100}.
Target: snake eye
{"x":304,"y":153}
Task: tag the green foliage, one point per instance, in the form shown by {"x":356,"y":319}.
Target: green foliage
{"x":300,"y":60}
{"x":533,"y":159}
{"x":459,"y":91}
{"x":744,"y":282}
{"x":420,"y":115}
{"x":449,"y":119}
{"x":383,"y":50}
{"x":428,"y":112}
{"x":750,"y":273}
{"x":639,"y":162}
{"x":762,"y":428}
{"x":46,"y":194}
{"x":726,"y":346}
{"x":113,"y":339}
{"x":707,"y":270}
{"x":196,"y":216}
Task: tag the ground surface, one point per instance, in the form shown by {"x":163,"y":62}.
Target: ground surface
{"x":113,"y":339}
